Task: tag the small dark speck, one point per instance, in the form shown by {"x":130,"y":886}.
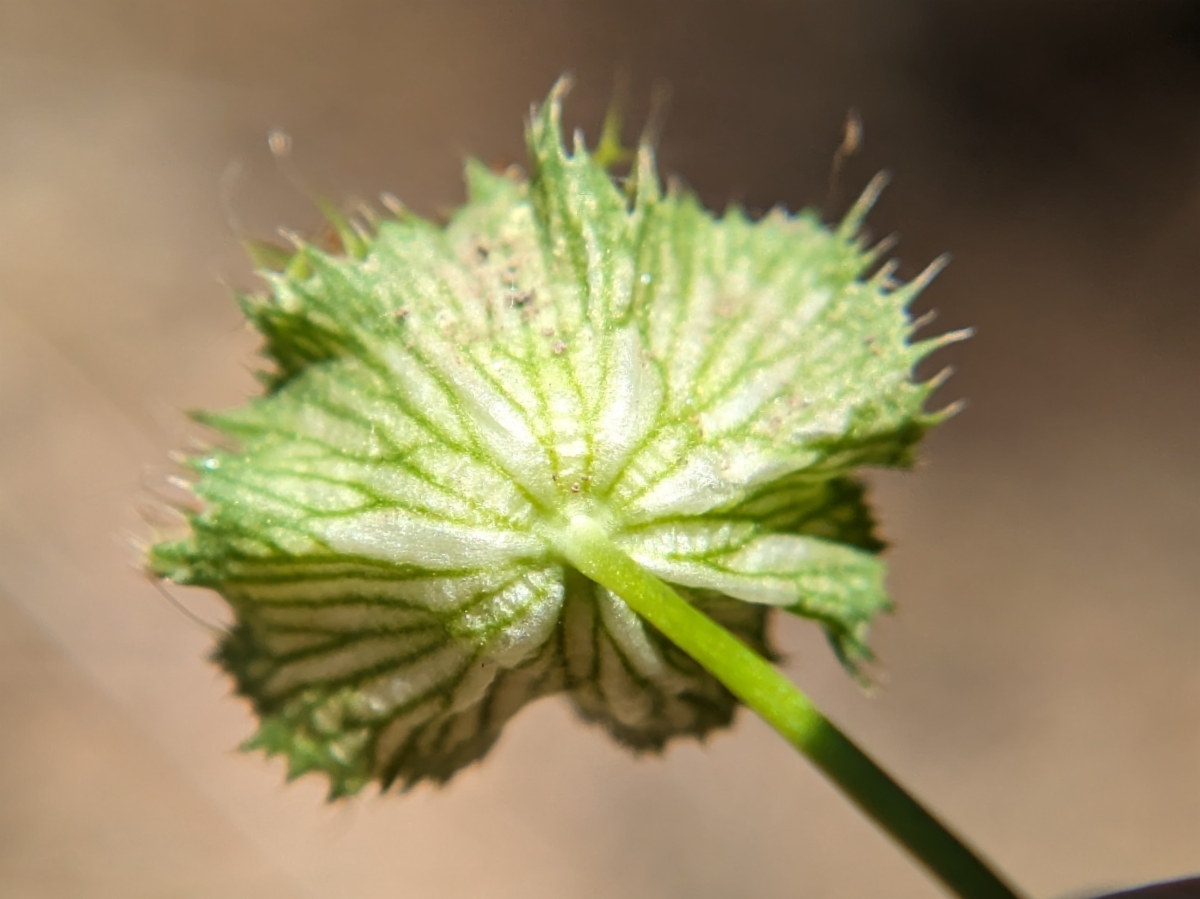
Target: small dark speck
{"x":482,"y":252}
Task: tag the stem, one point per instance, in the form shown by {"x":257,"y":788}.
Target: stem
{"x":760,"y":686}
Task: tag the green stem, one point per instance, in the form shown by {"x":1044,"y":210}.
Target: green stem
{"x":760,"y":686}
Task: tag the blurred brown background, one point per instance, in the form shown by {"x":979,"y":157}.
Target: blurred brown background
{"x":1043,"y":679}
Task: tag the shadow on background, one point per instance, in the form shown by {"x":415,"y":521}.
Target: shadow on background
{"x":1042,"y":687}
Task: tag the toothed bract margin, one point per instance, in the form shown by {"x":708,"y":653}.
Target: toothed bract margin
{"x":446,"y":402}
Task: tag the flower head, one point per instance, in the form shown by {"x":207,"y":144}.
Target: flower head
{"x":447,"y":402}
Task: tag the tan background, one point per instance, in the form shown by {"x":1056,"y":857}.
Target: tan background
{"x":1043,"y":685}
